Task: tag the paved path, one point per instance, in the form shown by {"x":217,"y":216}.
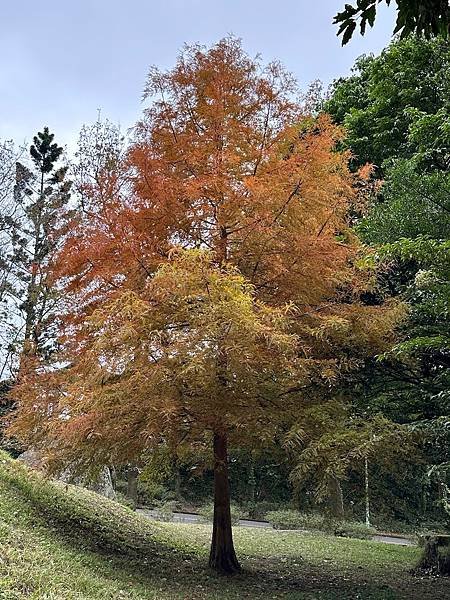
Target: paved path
{"x":394,"y":539}
{"x":179,"y":517}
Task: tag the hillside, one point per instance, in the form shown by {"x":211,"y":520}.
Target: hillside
{"x":60,"y":542}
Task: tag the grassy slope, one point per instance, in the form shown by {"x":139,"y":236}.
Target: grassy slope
{"x":58,"y":542}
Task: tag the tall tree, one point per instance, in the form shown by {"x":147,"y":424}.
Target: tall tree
{"x":9,"y":156}
{"x":389,"y":97}
{"x":224,"y":160}
{"x":396,"y":110}
{"x":41,"y":198}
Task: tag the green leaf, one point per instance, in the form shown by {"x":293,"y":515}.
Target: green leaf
{"x":348,"y":32}
{"x":371,"y":14}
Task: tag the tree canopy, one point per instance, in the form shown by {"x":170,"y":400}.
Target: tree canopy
{"x":212,"y":281}
{"x":396,"y":111}
{"x":397,"y":103}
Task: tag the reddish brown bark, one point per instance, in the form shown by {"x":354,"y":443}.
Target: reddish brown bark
{"x":222,"y":557}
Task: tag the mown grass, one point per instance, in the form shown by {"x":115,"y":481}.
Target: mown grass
{"x":58,"y":542}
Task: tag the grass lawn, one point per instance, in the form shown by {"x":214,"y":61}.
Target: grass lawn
{"x":59,"y":542}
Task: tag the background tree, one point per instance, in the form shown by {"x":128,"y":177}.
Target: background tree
{"x":223,"y":160}
{"x":99,"y":170}
{"x":423,"y":17}
{"x":407,"y":135}
{"x":33,"y":211}
{"x":389,"y":100}
{"x":331,"y":442}
{"x":9,"y":155}
{"x":41,"y":211}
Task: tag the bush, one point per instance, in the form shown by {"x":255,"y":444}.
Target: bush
{"x":431,"y":528}
{"x":124,"y":501}
{"x":150,"y":493}
{"x":354,"y":529}
{"x":207,"y":513}
{"x":285,"y":519}
{"x":165,"y":511}
{"x":391,"y":525}
{"x":259,"y":510}
{"x":292,"y":519}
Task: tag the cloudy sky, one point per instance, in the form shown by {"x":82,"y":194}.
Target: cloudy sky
{"x":62,"y":60}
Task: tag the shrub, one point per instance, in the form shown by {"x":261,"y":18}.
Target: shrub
{"x":259,"y":510}
{"x":389,"y":524}
{"x":292,"y":519}
{"x":430,"y":528}
{"x":354,"y":529}
{"x":124,"y":501}
{"x":207,"y":513}
{"x":165,"y":511}
{"x":153,"y":493}
{"x":286,"y":519}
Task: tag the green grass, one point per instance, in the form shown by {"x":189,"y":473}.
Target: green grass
{"x":59,"y":542}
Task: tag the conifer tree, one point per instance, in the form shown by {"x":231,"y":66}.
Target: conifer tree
{"x":180,"y":284}
{"x":41,"y":197}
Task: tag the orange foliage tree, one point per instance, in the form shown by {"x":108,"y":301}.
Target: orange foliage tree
{"x":208,"y":291}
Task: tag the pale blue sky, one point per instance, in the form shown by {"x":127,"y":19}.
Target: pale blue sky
{"x":62,"y":60}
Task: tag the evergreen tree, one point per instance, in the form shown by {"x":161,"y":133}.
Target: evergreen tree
{"x":41,"y":197}
{"x":395,"y":103}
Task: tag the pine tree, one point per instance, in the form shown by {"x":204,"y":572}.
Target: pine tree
{"x":41,"y":196}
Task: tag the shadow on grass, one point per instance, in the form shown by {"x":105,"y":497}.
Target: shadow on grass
{"x":124,"y":546}
{"x":86,"y":519}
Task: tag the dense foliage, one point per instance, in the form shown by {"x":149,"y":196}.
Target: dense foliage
{"x":396,"y":109}
{"x":245,"y":288}
{"x":214,"y":292}
{"x":396,"y":105}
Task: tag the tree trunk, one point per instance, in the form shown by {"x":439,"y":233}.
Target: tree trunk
{"x":222,"y":557}
{"x":132,"y":477}
{"x":336,"y":501}
{"x":436,"y":555}
{"x":251,"y":481}
{"x":366,"y":487}
{"x":177,"y":482}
